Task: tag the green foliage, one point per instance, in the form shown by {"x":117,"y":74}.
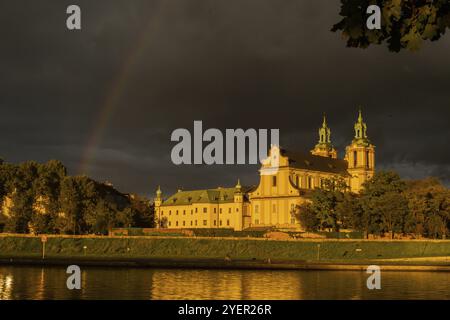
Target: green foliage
{"x":322,"y":212}
{"x":405,"y":24}
{"x":153,"y":248}
{"x":46,"y":200}
{"x":307,"y":217}
{"x":384,"y":205}
{"x":429,"y":208}
{"x":387,"y":204}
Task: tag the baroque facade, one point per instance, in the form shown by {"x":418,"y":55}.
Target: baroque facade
{"x":286,"y":179}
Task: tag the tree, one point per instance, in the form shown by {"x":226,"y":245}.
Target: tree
{"x":69,"y":218}
{"x":143,"y":212}
{"x":383,"y":204}
{"x":307,"y":217}
{"x":46,"y":200}
{"x":393,"y":208}
{"x":323,"y":206}
{"x":102,"y":218}
{"x":350,"y":212}
{"x":405,"y":23}
{"x":20,"y":183}
{"x":429,"y":208}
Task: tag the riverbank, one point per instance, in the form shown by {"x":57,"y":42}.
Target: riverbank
{"x":234,"y":253}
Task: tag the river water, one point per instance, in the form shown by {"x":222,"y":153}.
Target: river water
{"x":32,"y":282}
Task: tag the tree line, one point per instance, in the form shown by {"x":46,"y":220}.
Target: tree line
{"x":42,"y":198}
{"x":387,"y":205}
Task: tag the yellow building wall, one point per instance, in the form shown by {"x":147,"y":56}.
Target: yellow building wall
{"x":273,"y":202}
{"x":224,"y":215}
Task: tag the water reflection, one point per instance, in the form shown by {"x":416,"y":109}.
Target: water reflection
{"x":20,"y":282}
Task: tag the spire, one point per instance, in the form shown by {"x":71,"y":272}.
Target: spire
{"x":324,"y":147}
{"x":360,"y":130}
{"x":324,"y":133}
{"x":360,"y":119}
{"x":238,"y":186}
{"x":158,"y":192}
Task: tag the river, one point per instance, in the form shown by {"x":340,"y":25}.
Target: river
{"x":33,"y":282}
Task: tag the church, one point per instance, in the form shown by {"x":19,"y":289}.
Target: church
{"x":286,"y":179}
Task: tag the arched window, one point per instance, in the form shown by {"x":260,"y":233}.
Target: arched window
{"x":367,"y":159}
{"x":310,"y":183}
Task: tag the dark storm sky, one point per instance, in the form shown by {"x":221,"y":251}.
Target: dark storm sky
{"x":160,"y":65}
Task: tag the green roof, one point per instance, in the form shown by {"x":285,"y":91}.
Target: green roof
{"x":218,"y":195}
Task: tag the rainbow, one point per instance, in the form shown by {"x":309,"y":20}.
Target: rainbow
{"x":108,"y":108}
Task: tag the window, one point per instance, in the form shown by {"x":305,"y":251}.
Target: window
{"x":256,"y":209}
{"x":237,"y":209}
{"x":310,"y":183}
{"x":192,"y":211}
{"x":274,"y":208}
{"x":162,"y":213}
{"x":177,"y":212}
{"x":229,"y":210}
{"x":355,"y":158}
{"x":274,"y":181}
{"x":176,"y":223}
{"x":195,"y":222}
{"x":204,"y":222}
{"x":205,"y":210}
{"x":220,"y":222}
{"x":214,"y":210}
{"x":220,"y":210}
{"x":256,"y":221}
{"x":367,"y":159}
{"x":191,"y":223}
{"x":170,"y":212}
{"x":184,"y":223}
{"x":170,"y":223}
{"x":196,"y":210}
{"x":228,"y":222}
{"x":184,"y":212}
{"x":215,"y":222}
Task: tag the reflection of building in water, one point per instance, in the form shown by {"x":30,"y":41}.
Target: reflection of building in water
{"x":6,"y":285}
{"x":225,"y":284}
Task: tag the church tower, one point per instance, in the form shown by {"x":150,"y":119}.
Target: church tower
{"x":158,"y":201}
{"x":360,"y":155}
{"x":324,"y":148}
{"x":238,"y":195}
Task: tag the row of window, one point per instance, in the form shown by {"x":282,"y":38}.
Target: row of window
{"x":205,"y":210}
{"x":274,"y":208}
{"x":194,"y":223}
{"x":309,"y":182}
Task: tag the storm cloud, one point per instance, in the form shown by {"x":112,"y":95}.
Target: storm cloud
{"x":104,"y":100}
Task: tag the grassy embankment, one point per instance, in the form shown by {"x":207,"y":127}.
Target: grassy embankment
{"x":213,"y":250}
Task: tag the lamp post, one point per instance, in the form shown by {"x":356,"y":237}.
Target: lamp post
{"x":43,"y":240}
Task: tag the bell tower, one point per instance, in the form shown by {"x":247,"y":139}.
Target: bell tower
{"x":324,"y":148}
{"x":360,"y":155}
{"x":158,"y":201}
{"x":238,"y":195}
